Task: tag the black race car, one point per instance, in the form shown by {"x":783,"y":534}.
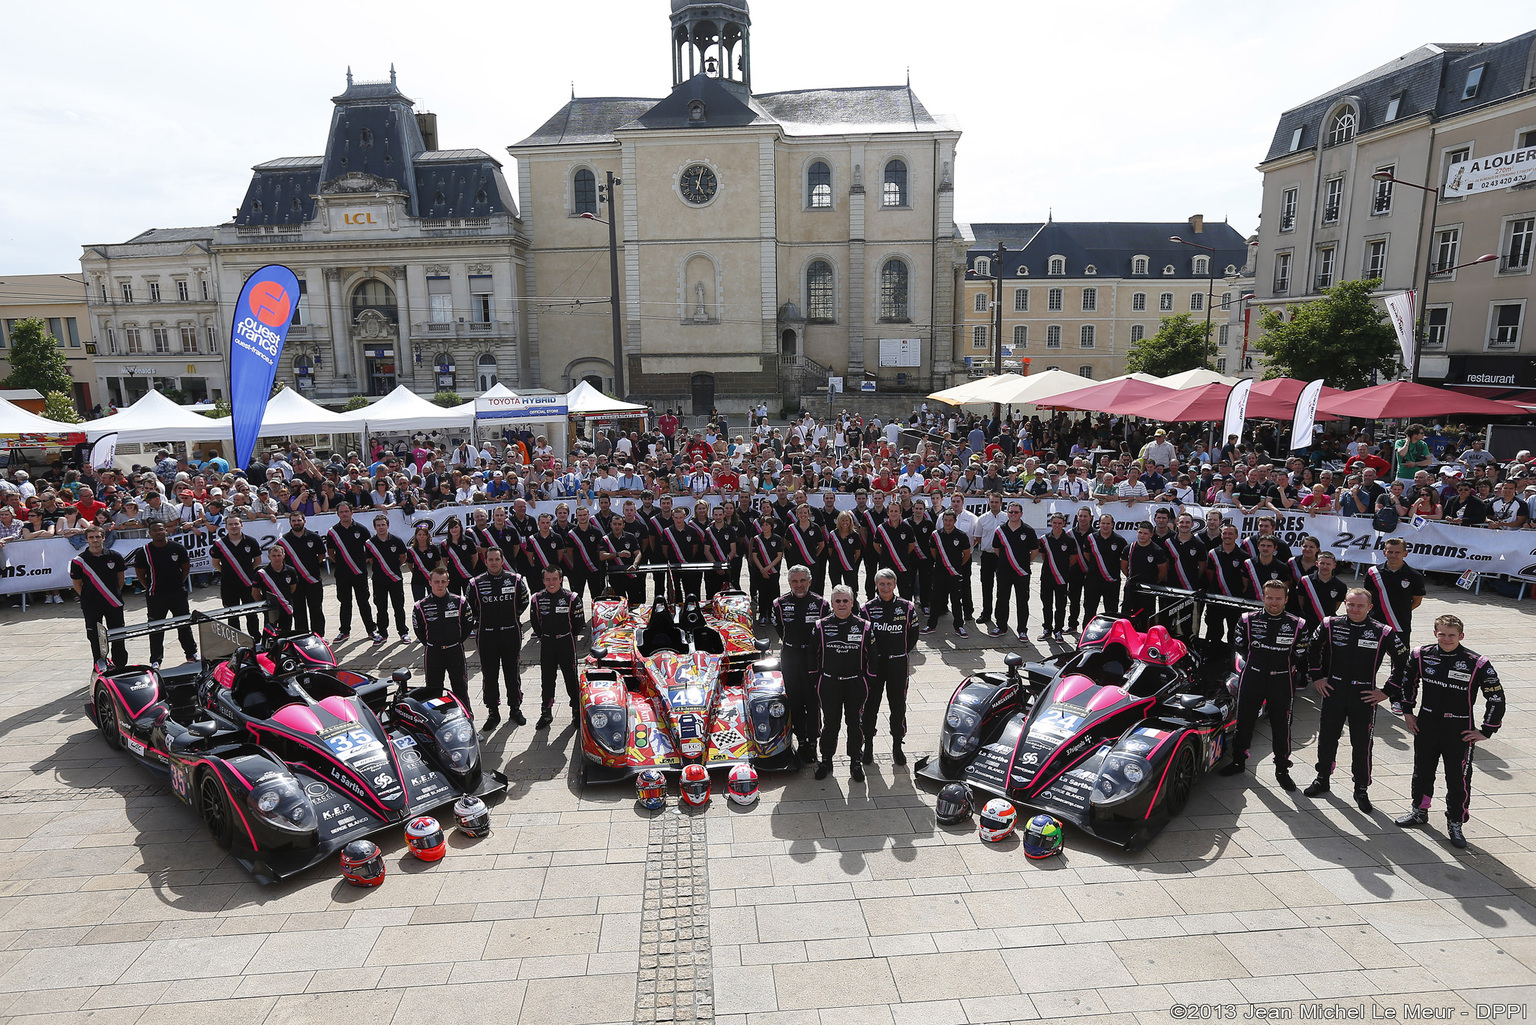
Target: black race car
{"x":286,"y":757}
{"x":1111,"y":737}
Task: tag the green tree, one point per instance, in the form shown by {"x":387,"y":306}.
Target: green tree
{"x":36,"y":359}
{"x":1179,"y":345}
{"x":59,"y":407}
{"x":356,"y":402}
{"x":448,"y":399}
{"x":1343,"y":338}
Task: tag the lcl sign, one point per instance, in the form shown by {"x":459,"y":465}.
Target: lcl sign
{"x":362,"y":219}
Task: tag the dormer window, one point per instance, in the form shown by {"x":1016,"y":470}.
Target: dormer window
{"x":982,"y":267}
{"x":1090,"y":269}
{"x":696,"y":112}
{"x":1138,"y":265}
{"x":1394,"y":105}
{"x":1342,"y":128}
{"x":1058,"y":265}
{"x":1296,"y":139}
{"x":1202,"y":265}
{"x":1023,"y":271}
{"x":1474,"y":82}
{"x":1168,"y":271}
{"x":365,"y":137}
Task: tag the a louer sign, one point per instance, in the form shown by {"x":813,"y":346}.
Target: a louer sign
{"x":1485,"y":174}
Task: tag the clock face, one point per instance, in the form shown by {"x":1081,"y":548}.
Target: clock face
{"x":698,"y":184}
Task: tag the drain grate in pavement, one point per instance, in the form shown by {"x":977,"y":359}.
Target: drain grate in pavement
{"x":676,"y":982}
{"x":82,"y":793}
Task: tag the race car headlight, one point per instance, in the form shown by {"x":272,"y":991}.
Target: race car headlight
{"x":1133,"y":773}
{"x":456,"y":734}
{"x":1121,"y":778}
{"x":281,"y":804}
{"x":960,"y":737}
{"x":776,"y":709}
{"x":608,"y":727}
{"x":456,"y":742}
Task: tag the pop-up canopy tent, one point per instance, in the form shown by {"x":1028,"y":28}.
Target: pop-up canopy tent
{"x":16,"y":422}
{"x":289,"y":413}
{"x":585,"y":400}
{"x":404,"y":410}
{"x":1209,"y":403}
{"x":1118,"y":395}
{"x":1012,"y":389}
{"x":538,"y":410}
{"x":155,"y":418}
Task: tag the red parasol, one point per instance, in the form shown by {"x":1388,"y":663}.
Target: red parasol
{"x":1406,"y":400}
{"x":1110,"y":397}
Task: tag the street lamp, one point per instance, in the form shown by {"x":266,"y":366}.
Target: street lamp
{"x":1485,"y":258}
{"x":1210,"y":266}
{"x":613,"y":282}
{"x":997,"y":306}
{"x":1420,"y":328}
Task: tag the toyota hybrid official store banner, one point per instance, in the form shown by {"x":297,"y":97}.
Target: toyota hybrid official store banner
{"x":1433,"y":546}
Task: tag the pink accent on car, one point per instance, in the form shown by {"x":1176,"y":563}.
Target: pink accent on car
{"x":1071,"y":686}
{"x":297,"y":717}
{"x":340,"y":707}
{"x":1106,"y":696}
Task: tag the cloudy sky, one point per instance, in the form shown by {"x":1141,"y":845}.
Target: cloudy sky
{"x":122,"y":117}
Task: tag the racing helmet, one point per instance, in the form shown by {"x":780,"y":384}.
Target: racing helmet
{"x":651,"y":786}
{"x":425,"y":837}
{"x":997,"y":820}
{"x":954,"y":804}
{"x":472,"y":816}
{"x":362,"y":864}
{"x":741,"y":788}
{"x":694,"y":788}
{"x":1042,"y":837}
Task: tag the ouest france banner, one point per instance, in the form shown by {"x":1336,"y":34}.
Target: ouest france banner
{"x":262,"y":316}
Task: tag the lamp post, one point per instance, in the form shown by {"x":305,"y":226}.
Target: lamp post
{"x":1434,"y":214}
{"x":997,"y":306}
{"x":606,"y":195}
{"x":1210,"y":268}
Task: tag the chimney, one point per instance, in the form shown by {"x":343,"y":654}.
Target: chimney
{"x":427,"y":122}
{"x":1196,"y":221}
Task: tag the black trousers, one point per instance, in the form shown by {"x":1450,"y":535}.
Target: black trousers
{"x":1439,"y":742}
{"x":557,"y":655}
{"x":1221,"y":624}
{"x":891,"y":678}
{"x":308,"y":607}
{"x":715,"y":582}
{"x":923,"y":582}
{"x":420,"y":587}
{"x":684,"y":584}
{"x":348,"y":586}
{"x":765,"y":591}
{"x":448,"y":662}
{"x":631,"y":586}
{"x":1271,"y":692}
{"x":1098,"y":591}
{"x":948,"y":596}
{"x":842,"y":701}
{"x":113,"y":618}
{"x":988,"y":576}
{"x":233,"y":592}
{"x":499,"y":650}
{"x":1075,"y":581}
{"x":871,"y":567}
{"x":837,"y":575}
{"x":593,"y":582}
{"x":161,"y":606}
{"x":1344,"y":705}
{"x":1053,"y":602}
{"x":819,"y":576}
{"x":1011,"y":586}
{"x":800,"y":694}
{"x":388,"y":592}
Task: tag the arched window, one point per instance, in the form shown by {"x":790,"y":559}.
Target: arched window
{"x":982,"y":302}
{"x":373,"y":294}
{"x":1020,"y":336}
{"x":1138,"y":332}
{"x":982,"y":267}
{"x":1165,"y":302}
{"x":1085,"y":337}
{"x":585,"y":192}
{"x":818,"y":186}
{"x":1058,"y":265}
{"x":1202,"y":265}
{"x":1085,"y":371}
{"x":894,"y":191}
{"x":1168,"y":270}
{"x":820,"y":303}
{"x":1090,"y":270}
{"x":485,"y":370}
{"x":893,"y":291}
{"x":1139,"y":265}
{"x":442,"y":366}
{"x":1342,"y":128}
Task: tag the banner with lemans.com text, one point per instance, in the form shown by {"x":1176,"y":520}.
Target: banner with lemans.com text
{"x":1434,"y":547}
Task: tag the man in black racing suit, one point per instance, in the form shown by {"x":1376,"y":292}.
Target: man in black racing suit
{"x":842,"y":654}
{"x":443,"y":621}
{"x":498,"y":597}
{"x":1271,"y":646}
{"x":1448,"y":676}
{"x":894,"y":620}
{"x":1346,"y":655}
{"x":795,"y":616}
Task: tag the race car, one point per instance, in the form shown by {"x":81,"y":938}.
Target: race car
{"x":1111,"y":737}
{"x":672,"y":684}
{"x":286,"y":757}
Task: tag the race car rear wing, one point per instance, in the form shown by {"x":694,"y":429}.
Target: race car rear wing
{"x":1181,"y":601}
{"x":686,"y":567}
{"x":216,"y":638}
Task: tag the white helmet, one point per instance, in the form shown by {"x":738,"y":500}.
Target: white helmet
{"x":997,"y":820}
{"x":742,"y":786}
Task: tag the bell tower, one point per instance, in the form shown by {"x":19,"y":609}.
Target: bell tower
{"x":712,"y":37}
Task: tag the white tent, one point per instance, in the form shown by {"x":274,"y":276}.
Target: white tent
{"x":585,"y":400}
{"x":553,"y":426}
{"x":971,"y":392}
{"x":1196,"y":378}
{"x":14,"y":420}
{"x":290,"y":413}
{"x":155,"y":418}
{"x":404,"y":410}
{"x":1013,"y":389}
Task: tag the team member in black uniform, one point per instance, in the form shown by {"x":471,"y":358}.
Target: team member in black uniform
{"x":277,"y":583}
{"x":826,"y":519}
{"x":1266,"y":567}
{"x":1058,"y":553}
{"x":1104,"y":559}
{"x":842,"y":657}
{"x":681,"y":542}
{"x":1186,"y":563}
{"x":1224,"y":575}
{"x":1346,"y":655}
{"x":806,"y":543}
{"x":443,"y":621}
{"x":1014,"y":542}
{"x":498,"y":597}
{"x":896,"y":548}
{"x":1318,"y":594}
{"x":951,"y":574}
{"x":501,"y":533}
{"x":1266,"y":528}
{"x":98,"y":576}
{"x":306,"y":556}
{"x":1077,"y":580}
{"x":583,"y":553}
{"x":923,"y":528}
{"x":347,"y":542}
{"x":720,"y":540}
{"x":425,"y":556}
{"x":543,"y":549}
{"x":795,"y":616}
{"x":1449,"y":677}
{"x":1271,"y":648}
{"x":557,"y":617}
{"x":1145,"y":562}
{"x":236,"y":557}
{"x":461,"y":554}
{"x":1396,"y":588}
{"x":386,"y":555}
{"x":869,"y":518}
{"x":163,"y":566}
{"x":619,"y":553}
{"x":845,"y":550}
{"x":765,"y":553}
{"x":894,"y":621}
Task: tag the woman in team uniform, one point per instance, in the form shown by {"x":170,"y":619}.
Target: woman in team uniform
{"x":845,"y":550}
{"x":461,"y":554}
{"x":424,"y":557}
{"x":275,"y":584}
{"x":1082,"y":530}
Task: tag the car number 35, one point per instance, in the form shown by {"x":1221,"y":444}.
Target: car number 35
{"x":352,"y":742}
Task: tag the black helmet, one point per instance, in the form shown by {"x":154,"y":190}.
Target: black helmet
{"x":954,"y":804}
{"x":361,"y":863}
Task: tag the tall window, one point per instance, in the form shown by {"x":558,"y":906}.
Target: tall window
{"x":1165,"y":302}
{"x":373,"y":294}
{"x":1325,"y":257}
{"x":893,"y":291}
{"x":1333,"y":199}
{"x":440,"y":300}
{"x":979,"y":337}
{"x":982,"y":302}
{"x":584,"y":191}
{"x":819,"y":186}
{"x":1221,"y":363}
{"x":154,"y":291}
{"x":1090,"y":299}
{"x":1053,"y":337}
{"x":1517,"y":249}
{"x":1436,"y":327}
{"x":1197,"y":301}
{"x":1021,"y":300}
{"x":1283,"y":272}
{"x":188,"y":338}
{"x":213,"y":338}
{"x":1381,"y":198}
{"x":982,"y":267}
{"x":127,"y":291}
{"x":162,"y":338}
{"x":1288,"y":210}
{"x":134,"y":341}
{"x":1085,"y":337}
{"x":1053,"y":300}
{"x":182,"y":294}
{"x":205,"y":289}
{"x":1459,"y":155}
{"x":1139,"y":265}
{"x":1058,"y":265}
{"x":1202,"y":265}
{"x":1138,"y":301}
{"x":300,"y":308}
{"x":1447,"y":245}
{"x":482,"y":298}
{"x":894,"y":190}
{"x":1138,"y":332}
{"x":485,"y":369}
{"x":112,"y":341}
{"x":1086,"y":370}
{"x":1221,"y":334}
{"x":819,"y":304}
{"x":1504,"y":326}
{"x":1342,"y":128}
{"x":1376,"y":258}
{"x":1020,"y":336}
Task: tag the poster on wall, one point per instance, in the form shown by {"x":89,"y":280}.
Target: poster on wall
{"x":901,"y":352}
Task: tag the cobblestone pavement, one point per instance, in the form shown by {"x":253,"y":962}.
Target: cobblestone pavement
{"x":828,"y":902}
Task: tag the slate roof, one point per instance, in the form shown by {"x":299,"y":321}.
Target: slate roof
{"x":588,"y":120}
{"x":887,"y":108}
{"x":1109,"y":247}
{"x":1429,"y":79}
{"x":155,"y":242}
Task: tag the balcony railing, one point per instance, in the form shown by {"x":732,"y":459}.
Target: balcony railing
{"x":1510,"y":263}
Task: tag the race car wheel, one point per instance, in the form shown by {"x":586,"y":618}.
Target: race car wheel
{"x":213,"y":804}
{"x":106,"y":718}
{"x":1181,"y":779}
